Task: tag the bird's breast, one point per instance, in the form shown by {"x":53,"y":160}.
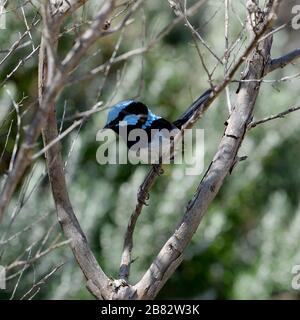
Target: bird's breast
{"x":157,"y":147}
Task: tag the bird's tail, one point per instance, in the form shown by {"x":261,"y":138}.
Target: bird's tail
{"x":192,"y":109}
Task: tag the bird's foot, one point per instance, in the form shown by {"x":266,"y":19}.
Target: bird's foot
{"x":158,"y":169}
{"x":142,"y":198}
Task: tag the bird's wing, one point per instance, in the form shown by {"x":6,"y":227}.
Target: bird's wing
{"x":162,"y":123}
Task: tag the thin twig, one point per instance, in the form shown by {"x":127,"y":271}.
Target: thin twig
{"x":29,"y":261}
{"x":253,"y":124}
{"x":36,"y":286}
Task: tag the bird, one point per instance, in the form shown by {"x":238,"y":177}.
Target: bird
{"x":155,"y":133}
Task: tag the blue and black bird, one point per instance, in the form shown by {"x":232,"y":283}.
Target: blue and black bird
{"x":136,"y":115}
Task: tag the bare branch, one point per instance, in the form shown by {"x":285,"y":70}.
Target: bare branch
{"x":193,"y":114}
{"x":170,"y":255}
{"x":181,"y":11}
{"x":281,"y":115}
{"x":27,"y":228}
{"x":61,"y":9}
{"x":227,"y":52}
{"x":16,"y":106}
{"x":17,"y":43}
{"x":125,"y":56}
{"x":52,"y":76}
{"x":52,"y":88}
{"x":29,"y":261}
{"x":19,"y":278}
{"x":88,"y":37}
{"x":65,"y":212}
{"x":37,"y":286}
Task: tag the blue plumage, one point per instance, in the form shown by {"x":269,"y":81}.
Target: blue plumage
{"x":116,"y":109}
{"x":151,"y":117}
{"x":137,"y":115}
{"x":133,"y":115}
{"x":130,"y":120}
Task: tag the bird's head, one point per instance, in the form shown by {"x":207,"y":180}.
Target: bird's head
{"x":129,"y":113}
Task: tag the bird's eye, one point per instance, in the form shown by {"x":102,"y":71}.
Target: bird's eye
{"x":143,"y":117}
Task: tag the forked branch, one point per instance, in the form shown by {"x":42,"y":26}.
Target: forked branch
{"x":196,"y":110}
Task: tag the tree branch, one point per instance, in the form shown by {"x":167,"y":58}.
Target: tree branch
{"x":62,"y":9}
{"x":51,"y":92}
{"x":253,"y":124}
{"x":171,"y":253}
{"x":193,"y":113}
{"x":125,"y":56}
{"x":65,"y":212}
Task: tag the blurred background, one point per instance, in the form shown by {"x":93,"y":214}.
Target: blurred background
{"x":247,"y":243}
